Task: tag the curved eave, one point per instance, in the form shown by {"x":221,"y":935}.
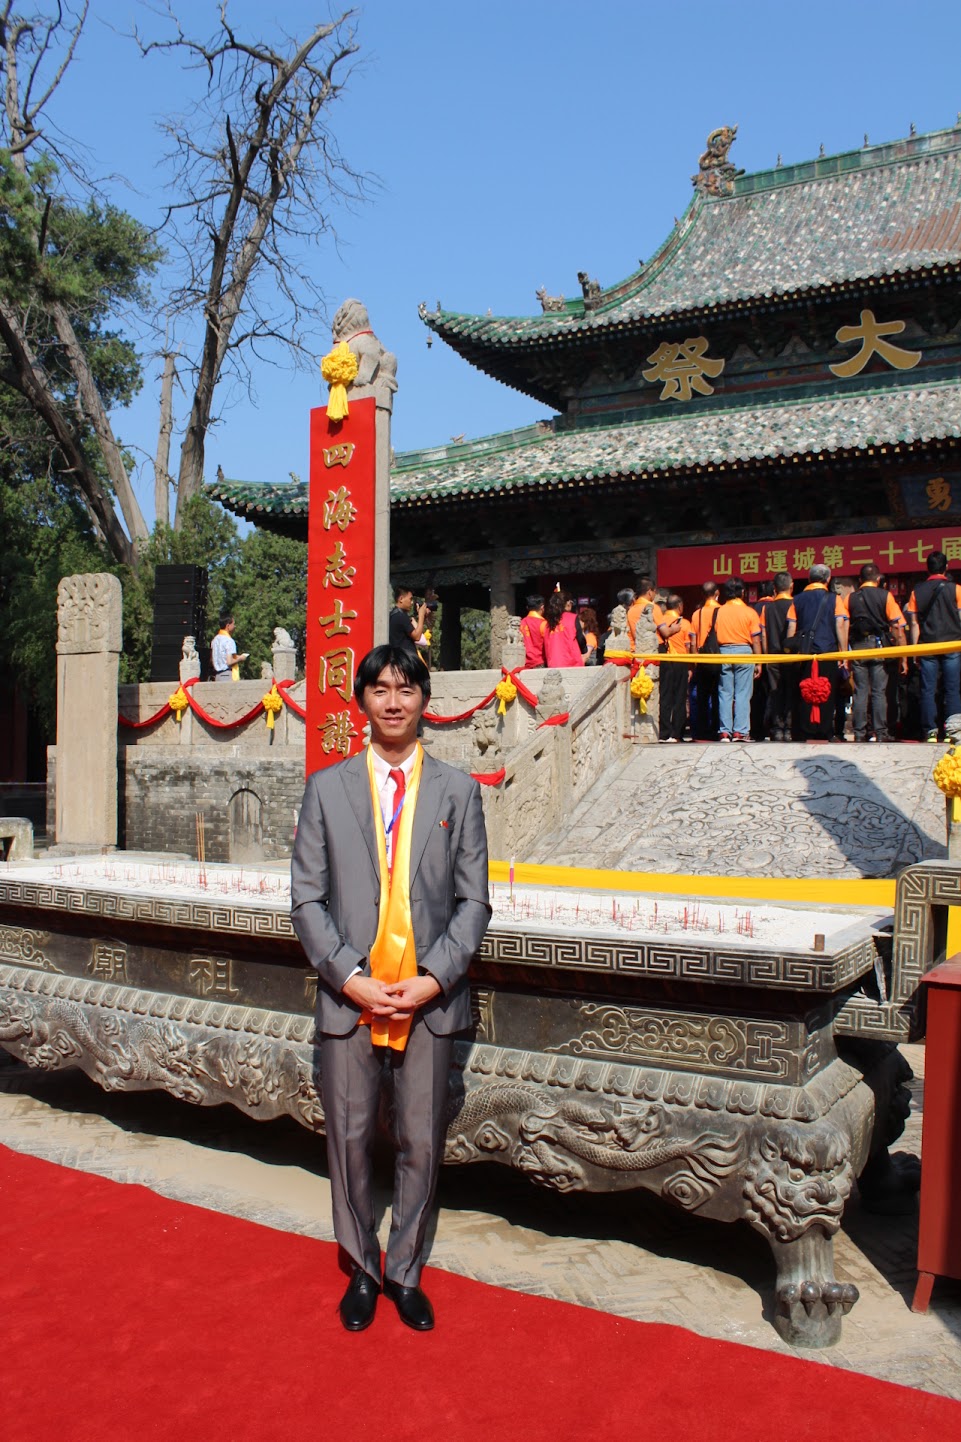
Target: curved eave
{"x":688,"y":471}
{"x":507,"y":358}
{"x":890,"y":420}
{"x":287,"y":519}
{"x":527,"y":338}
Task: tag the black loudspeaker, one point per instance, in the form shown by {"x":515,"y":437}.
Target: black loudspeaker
{"x":180,"y":609}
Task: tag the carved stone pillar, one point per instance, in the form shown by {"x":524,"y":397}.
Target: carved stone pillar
{"x":502,"y":605}
{"x":284,"y":654}
{"x":89,"y":632}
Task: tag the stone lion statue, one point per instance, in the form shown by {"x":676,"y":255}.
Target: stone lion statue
{"x":283,"y":641}
{"x":376,"y":367}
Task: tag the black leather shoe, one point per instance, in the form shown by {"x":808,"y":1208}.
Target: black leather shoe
{"x":359,"y":1302}
{"x":413,"y":1308}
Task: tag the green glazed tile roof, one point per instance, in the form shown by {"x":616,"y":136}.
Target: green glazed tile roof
{"x":881,"y":211}
{"x":539,"y":457}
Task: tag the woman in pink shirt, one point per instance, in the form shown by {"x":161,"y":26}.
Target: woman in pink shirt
{"x":560,"y":644}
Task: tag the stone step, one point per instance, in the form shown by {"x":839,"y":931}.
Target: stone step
{"x":758,"y":809}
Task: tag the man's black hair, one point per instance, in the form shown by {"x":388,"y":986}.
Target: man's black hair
{"x":783,"y":581}
{"x":870,"y":572}
{"x":402,"y":589}
{"x":534,"y":601}
{"x":402,"y":662}
{"x":732,"y":590}
{"x":226,"y":618}
{"x":937,"y":563}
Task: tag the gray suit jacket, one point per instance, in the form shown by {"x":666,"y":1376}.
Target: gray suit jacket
{"x":335,"y":886}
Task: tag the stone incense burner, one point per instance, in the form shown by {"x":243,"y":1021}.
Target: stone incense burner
{"x":738,"y":1061}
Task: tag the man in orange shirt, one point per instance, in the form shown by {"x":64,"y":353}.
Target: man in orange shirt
{"x":706,"y":678}
{"x":739,"y":633}
{"x":675,"y":634}
{"x":873,"y":614}
{"x":934,"y":614}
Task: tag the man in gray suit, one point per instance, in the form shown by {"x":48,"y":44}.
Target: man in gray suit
{"x":390,"y":902}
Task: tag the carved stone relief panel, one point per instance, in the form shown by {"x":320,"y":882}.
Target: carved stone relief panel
{"x":26,"y":947}
{"x":89,"y":614}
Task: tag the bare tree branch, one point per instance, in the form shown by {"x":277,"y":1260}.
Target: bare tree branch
{"x":256,"y":172}
{"x":27,"y":377}
{"x":162,"y":479}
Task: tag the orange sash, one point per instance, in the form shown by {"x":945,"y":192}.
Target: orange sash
{"x":392,"y":956}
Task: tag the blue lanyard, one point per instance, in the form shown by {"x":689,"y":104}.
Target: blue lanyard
{"x":400,"y":806}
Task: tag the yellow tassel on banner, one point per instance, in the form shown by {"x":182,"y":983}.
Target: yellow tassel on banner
{"x":339,"y":369}
{"x":641,"y":687}
{"x":272,"y":703}
{"x":947,"y":775}
{"x":505,"y":692}
{"x":178,"y":703}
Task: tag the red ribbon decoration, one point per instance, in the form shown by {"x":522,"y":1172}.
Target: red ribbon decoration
{"x":561,"y":719}
{"x":166,"y":710}
{"x":150,"y":721}
{"x":284,"y":686}
{"x":463,"y":716}
{"x":198,"y":710}
{"x":490,"y":778}
{"x":524,"y":691}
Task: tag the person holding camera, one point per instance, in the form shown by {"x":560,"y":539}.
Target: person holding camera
{"x":403,"y":632}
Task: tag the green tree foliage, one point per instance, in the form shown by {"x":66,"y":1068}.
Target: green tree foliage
{"x":475,"y":639}
{"x":66,"y":272}
{"x":267,"y":587}
{"x":44,"y":536}
{"x":207,"y":537}
{"x":255,"y":171}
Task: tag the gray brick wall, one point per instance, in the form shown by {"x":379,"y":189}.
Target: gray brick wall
{"x":164,"y":788}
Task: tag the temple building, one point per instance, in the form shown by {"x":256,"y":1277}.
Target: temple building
{"x":779,"y":384}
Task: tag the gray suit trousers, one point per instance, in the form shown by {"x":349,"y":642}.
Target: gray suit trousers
{"x":352,"y":1073}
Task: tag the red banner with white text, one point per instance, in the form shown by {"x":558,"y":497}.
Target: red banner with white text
{"x":340,"y":577}
{"x":894,"y":552}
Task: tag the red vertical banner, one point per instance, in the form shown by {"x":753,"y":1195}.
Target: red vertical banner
{"x":340,"y":577}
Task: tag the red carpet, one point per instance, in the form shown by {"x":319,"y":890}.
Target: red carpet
{"x":130,"y":1318}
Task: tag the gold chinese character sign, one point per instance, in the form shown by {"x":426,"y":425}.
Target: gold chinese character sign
{"x":871,"y":333}
{"x":682,"y":367}
{"x":340,"y":577}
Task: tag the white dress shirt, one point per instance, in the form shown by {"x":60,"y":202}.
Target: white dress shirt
{"x":387,"y":792}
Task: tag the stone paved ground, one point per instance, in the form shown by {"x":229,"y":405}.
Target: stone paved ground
{"x":629,"y":1255}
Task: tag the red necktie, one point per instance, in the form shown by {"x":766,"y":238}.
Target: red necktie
{"x":397,"y":776}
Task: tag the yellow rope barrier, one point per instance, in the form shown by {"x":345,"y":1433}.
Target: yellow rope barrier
{"x":820,"y":891}
{"x":879,"y":653}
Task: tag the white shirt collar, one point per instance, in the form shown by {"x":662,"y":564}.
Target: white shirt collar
{"x":382,"y":768}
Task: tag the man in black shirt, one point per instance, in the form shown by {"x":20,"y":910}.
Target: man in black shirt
{"x":781,"y":681}
{"x":403,"y":632}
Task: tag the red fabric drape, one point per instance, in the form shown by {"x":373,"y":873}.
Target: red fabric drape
{"x":490,"y":778}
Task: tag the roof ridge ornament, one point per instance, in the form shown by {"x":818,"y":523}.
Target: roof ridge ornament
{"x":716,"y":174}
{"x":549,"y":303}
{"x":590,"y":289}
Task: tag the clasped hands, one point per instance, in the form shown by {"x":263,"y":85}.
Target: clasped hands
{"x":398,"y":998}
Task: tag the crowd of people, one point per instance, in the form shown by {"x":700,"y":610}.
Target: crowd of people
{"x":858,"y":697}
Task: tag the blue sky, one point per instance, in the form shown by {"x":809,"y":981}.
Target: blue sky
{"x":515,"y":144}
